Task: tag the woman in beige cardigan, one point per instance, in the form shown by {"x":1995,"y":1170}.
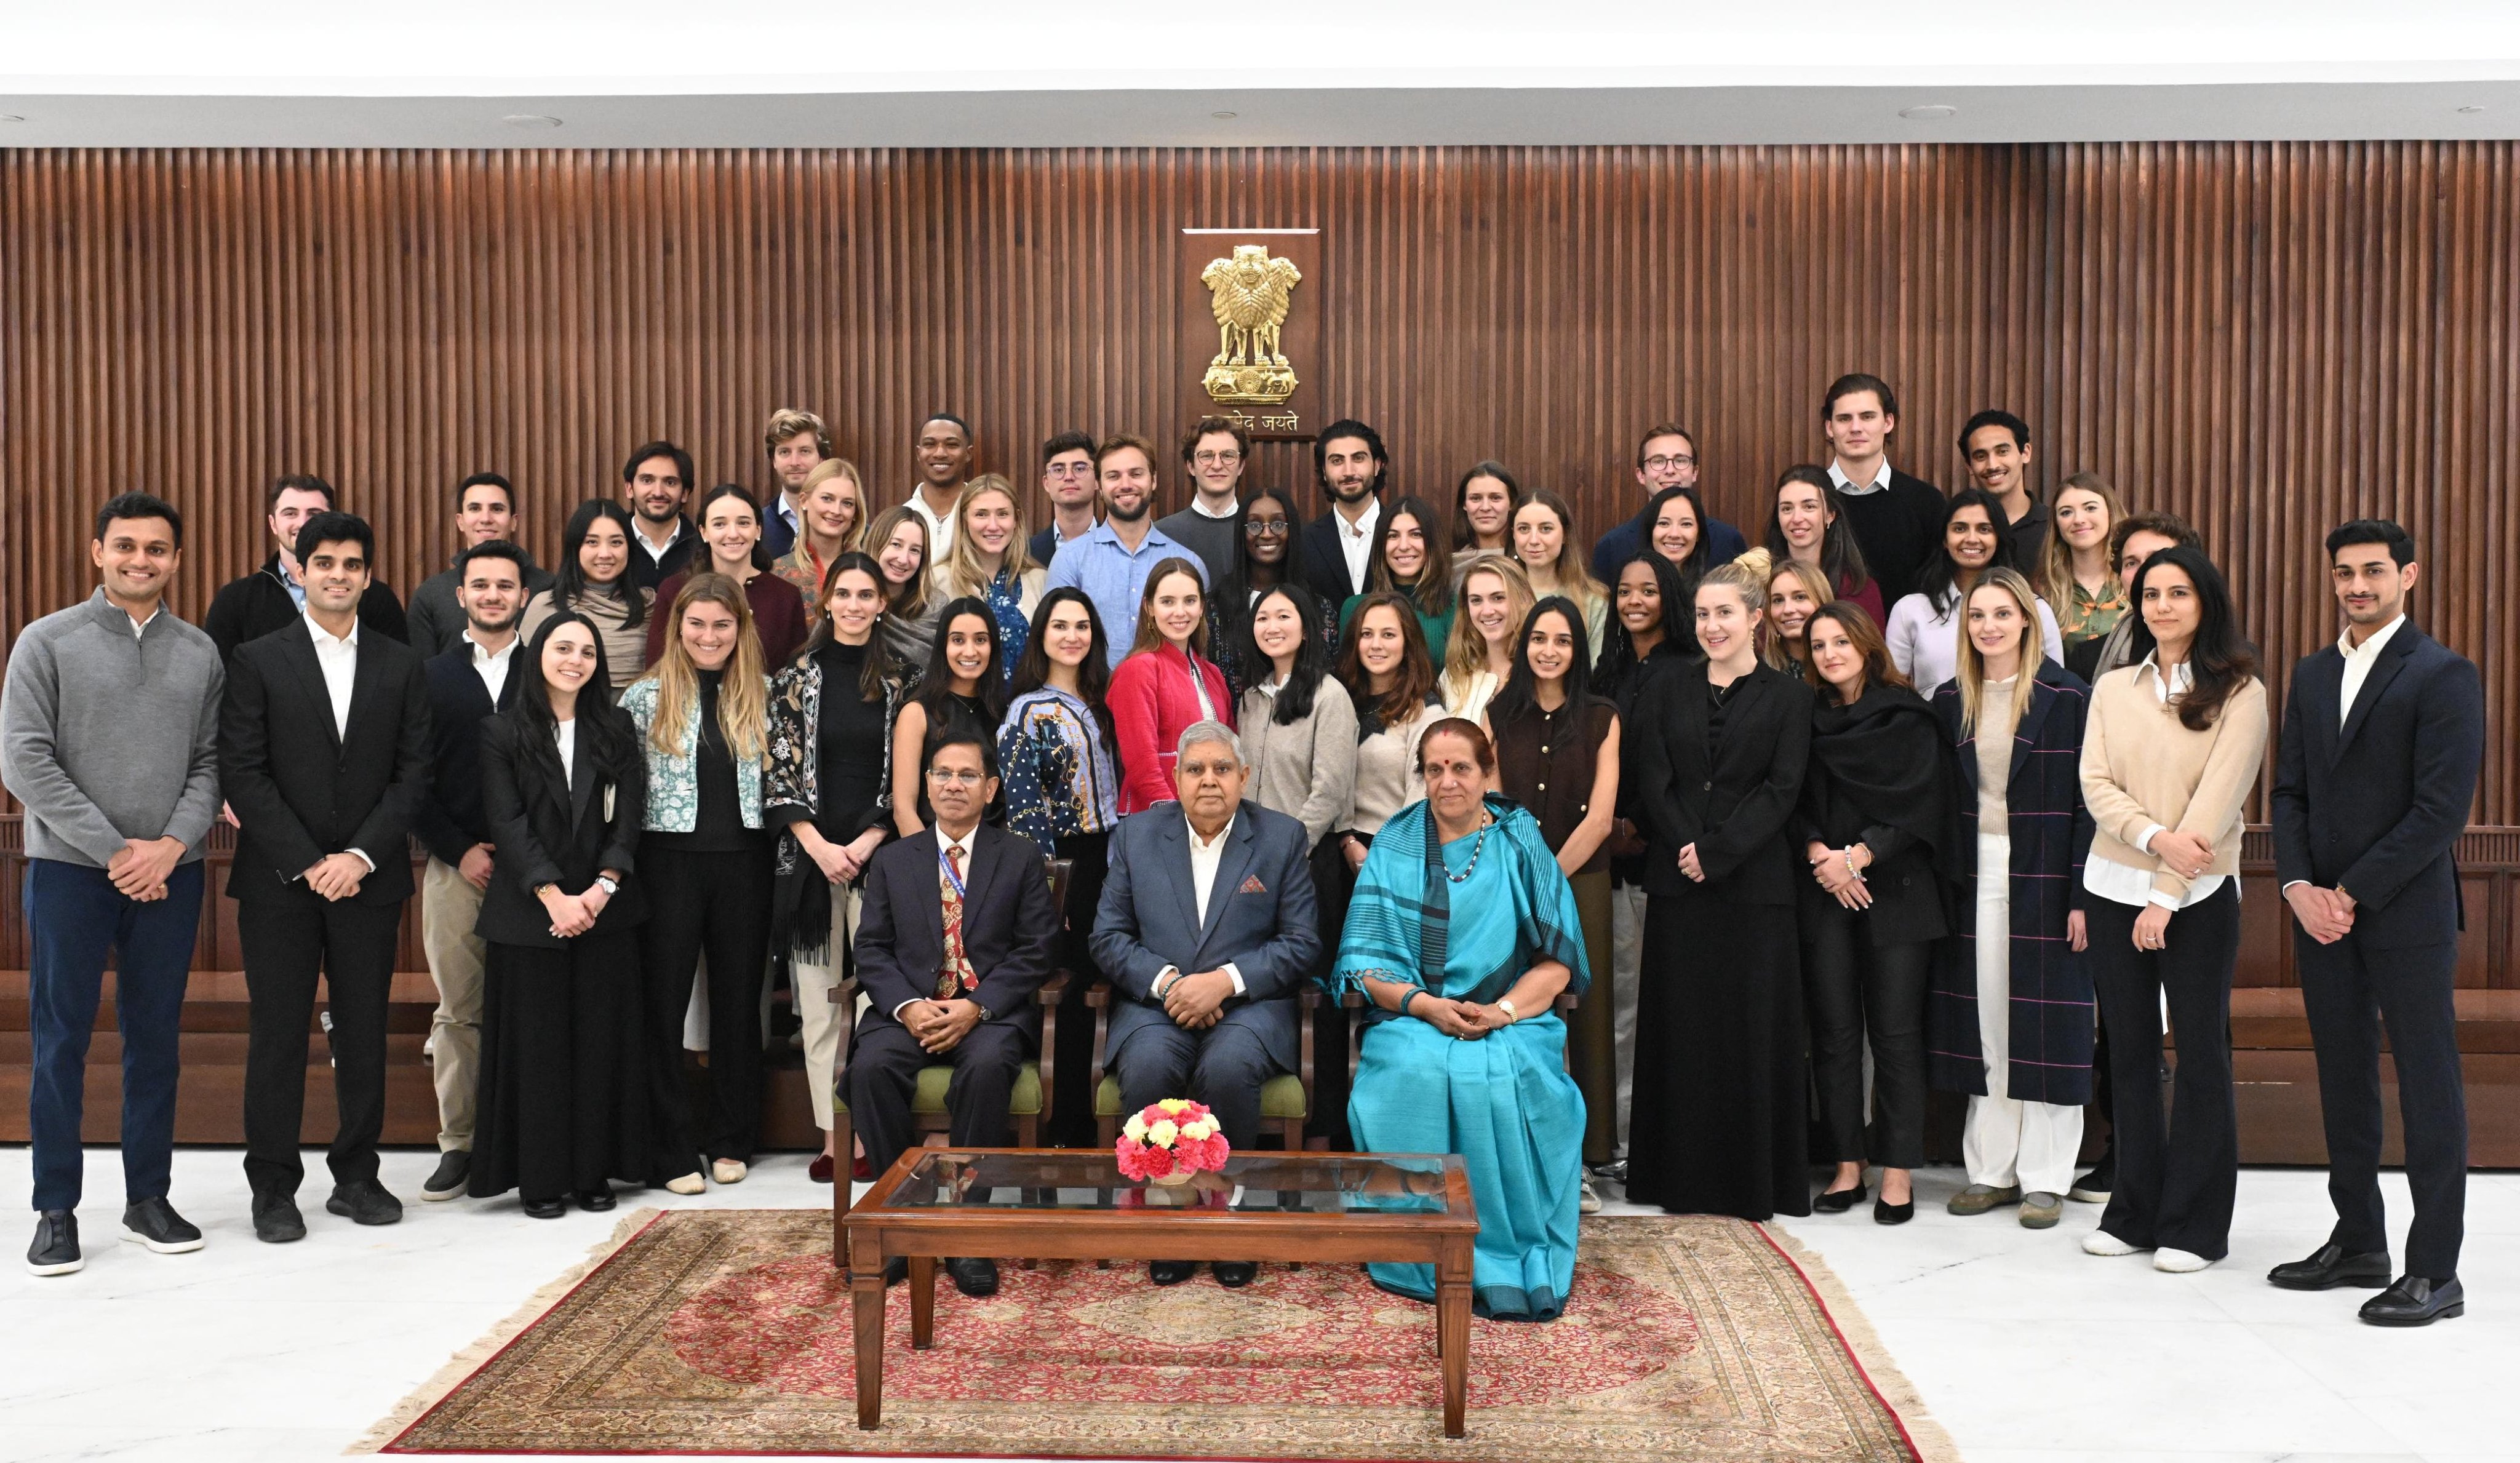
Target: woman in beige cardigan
{"x":2169,"y":756}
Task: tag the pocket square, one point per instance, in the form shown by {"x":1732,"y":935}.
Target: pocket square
{"x":1252,"y":885}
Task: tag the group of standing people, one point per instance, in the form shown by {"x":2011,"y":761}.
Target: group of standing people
{"x":1959,"y":781}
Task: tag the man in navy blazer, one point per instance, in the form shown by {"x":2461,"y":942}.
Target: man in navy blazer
{"x":1207,"y":930}
{"x":974,"y":1013}
{"x":2383,"y":735}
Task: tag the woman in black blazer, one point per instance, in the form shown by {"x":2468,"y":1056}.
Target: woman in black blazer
{"x":1875,"y":821}
{"x":563,"y":787}
{"x":1718,"y":1118}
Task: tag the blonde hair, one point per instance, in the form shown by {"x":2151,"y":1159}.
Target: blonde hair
{"x":1815,"y":582}
{"x":787,"y":421}
{"x":742,"y":693}
{"x":824,"y":471}
{"x":1745,"y":580}
{"x":1466,"y":653}
{"x":2055,"y":566}
{"x":1569,"y":576}
{"x":1969,"y":671}
{"x":911,"y":597}
{"x":962,"y":566}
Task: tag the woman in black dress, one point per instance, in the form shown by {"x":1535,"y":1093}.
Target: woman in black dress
{"x":1718,"y":1125}
{"x":563,"y":1109}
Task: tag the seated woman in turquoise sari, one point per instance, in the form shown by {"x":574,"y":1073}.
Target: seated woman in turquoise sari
{"x":1461,"y":934}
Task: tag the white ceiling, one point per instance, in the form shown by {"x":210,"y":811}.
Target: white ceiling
{"x":1096,"y":72}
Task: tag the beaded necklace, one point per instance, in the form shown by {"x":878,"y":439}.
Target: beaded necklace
{"x":1477,"y":847}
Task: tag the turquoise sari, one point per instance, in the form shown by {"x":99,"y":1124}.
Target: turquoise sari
{"x":1504,"y":1102}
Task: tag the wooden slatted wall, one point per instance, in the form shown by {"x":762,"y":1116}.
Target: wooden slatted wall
{"x":2266,"y":337}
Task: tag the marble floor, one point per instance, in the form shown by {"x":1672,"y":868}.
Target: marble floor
{"x":2026,"y":1350}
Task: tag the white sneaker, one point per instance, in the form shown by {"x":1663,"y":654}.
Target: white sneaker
{"x":2179,"y":1262}
{"x":2102,"y":1242}
{"x":1591,"y":1203}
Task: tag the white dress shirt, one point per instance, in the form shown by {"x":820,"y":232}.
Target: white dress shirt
{"x":963,"y":856}
{"x":2124,"y":883}
{"x":492,"y":665}
{"x":657,"y":552}
{"x":140,"y":627}
{"x":1356,"y":539}
{"x":2359,"y":661}
{"x":566,"y":733}
{"x":1880,"y":482}
{"x":1203,"y":859}
{"x":339,"y":657}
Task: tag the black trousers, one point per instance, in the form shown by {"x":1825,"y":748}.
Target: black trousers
{"x":1071,"y":1106}
{"x":1333,"y":885}
{"x":562,"y":1099}
{"x":2176,"y":1180}
{"x":2343,"y":986}
{"x":717,"y":903}
{"x":1852,"y":987}
{"x":1223,"y":1066}
{"x":291,"y":938}
{"x":884,"y":1073}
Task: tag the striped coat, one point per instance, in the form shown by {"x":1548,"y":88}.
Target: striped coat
{"x":2053,"y":1015}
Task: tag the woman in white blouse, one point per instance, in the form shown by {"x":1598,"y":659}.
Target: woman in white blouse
{"x":1925,"y":629}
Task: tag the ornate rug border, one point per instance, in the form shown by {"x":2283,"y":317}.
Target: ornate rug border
{"x":1926,"y":1441}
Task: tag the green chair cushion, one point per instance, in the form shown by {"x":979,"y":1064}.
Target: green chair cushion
{"x":1279,"y":1098}
{"x":929,"y":1095}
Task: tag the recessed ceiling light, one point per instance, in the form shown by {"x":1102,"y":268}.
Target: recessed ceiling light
{"x":529,"y":119}
{"x":1927,"y":114}
{"x":2471,"y":110}
{"x":1225,"y":117}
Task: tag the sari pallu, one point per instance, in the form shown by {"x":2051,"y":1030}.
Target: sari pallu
{"x":1504,"y":1102}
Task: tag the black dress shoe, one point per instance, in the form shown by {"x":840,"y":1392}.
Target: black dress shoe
{"x":1171,"y":1271}
{"x":454,"y":1169}
{"x":595,"y":1201}
{"x":1886,"y":1213}
{"x":276,"y":1220}
{"x":2329,"y":1266}
{"x":974,"y":1277}
{"x":1233,"y":1275}
{"x":2415,"y":1302}
{"x":363,"y":1202}
{"x":1839,"y":1201}
{"x":56,"y":1249}
{"x":546,"y":1209}
{"x":154,"y":1223}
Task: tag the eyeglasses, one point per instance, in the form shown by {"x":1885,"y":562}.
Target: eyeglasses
{"x":1265,"y":528}
{"x":1669,"y":463}
{"x":1217,"y":459}
{"x":945,"y":776}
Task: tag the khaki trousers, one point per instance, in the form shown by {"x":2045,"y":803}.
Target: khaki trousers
{"x":825,"y":1022}
{"x":449,"y":905}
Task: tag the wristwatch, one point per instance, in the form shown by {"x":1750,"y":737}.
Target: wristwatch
{"x":1507,"y":1006}
{"x":985,"y":1013}
{"x":605,"y":884}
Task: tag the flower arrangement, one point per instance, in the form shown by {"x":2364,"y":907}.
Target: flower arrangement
{"x":1170,"y":1141}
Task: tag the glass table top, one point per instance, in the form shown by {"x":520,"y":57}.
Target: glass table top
{"x":1087,"y":1179}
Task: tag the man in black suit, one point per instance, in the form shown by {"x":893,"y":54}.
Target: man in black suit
{"x":470,"y":682}
{"x":2383,"y":735}
{"x":1338,"y":546}
{"x":1897,"y":519}
{"x":1207,"y":930}
{"x":324,"y":755}
{"x":952,"y":939}
{"x":275,"y":595}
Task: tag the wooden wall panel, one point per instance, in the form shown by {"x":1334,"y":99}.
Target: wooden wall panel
{"x":2266,"y":337}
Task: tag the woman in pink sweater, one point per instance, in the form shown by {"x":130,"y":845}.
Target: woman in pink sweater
{"x":1165,"y":686}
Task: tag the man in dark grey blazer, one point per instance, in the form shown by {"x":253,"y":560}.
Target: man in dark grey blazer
{"x":1206,"y":930}
{"x":2383,"y":735}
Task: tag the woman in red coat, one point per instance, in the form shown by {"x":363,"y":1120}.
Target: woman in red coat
{"x":1165,"y":687}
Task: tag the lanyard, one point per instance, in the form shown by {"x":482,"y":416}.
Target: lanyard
{"x":947,"y":865}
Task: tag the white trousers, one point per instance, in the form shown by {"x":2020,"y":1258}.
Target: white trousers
{"x":826,"y":1023}
{"x":1627,"y":963}
{"x":2006,"y":1141}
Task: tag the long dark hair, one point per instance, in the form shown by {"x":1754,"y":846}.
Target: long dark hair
{"x":605,"y":732}
{"x":1412,"y":681}
{"x":1679,"y":620}
{"x":1092,"y":674}
{"x":1840,"y":557}
{"x":1464,"y":535}
{"x":2220,"y":661}
{"x":1701,"y":555}
{"x":709,"y":556}
{"x":572,"y":585}
{"x":1939,"y":583}
{"x":934,"y":688}
{"x":881,"y":669}
{"x":1434,"y":579}
{"x":1295,"y":699}
{"x":1521,"y":691}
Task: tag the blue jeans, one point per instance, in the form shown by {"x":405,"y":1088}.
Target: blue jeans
{"x":75,"y":920}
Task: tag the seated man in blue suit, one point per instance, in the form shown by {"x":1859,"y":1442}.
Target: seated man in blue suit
{"x":1206,"y":929}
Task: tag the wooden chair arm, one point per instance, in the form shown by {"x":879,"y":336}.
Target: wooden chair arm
{"x":1048,"y":997}
{"x":1565,"y":1001}
{"x":1098,"y":997}
{"x":1052,"y":990}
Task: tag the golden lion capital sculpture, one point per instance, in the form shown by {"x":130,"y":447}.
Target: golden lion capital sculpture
{"x":1251,"y":293}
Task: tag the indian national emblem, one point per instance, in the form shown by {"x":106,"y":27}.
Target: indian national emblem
{"x":1252,"y":293}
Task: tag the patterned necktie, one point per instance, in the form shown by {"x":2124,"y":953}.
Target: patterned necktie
{"x":956,"y":975}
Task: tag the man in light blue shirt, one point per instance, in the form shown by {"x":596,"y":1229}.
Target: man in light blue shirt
{"x":1110,"y":564}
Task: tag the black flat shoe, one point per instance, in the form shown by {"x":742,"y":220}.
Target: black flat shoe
{"x":2329,"y":1266}
{"x":976,"y":1279}
{"x":595,"y":1201}
{"x":1233,"y":1275}
{"x":1886,"y":1213}
{"x":276,"y":1220}
{"x":2415,"y":1302}
{"x":363,"y":1202}
{"x":1171,"y":1271}
{"x":546,"y":1209}
{"x":1839,"y":1201}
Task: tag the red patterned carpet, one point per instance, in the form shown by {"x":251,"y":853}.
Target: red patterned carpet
{"x":728,"y":1332}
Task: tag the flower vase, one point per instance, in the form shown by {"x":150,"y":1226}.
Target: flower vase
{"x":1176,"y":1178}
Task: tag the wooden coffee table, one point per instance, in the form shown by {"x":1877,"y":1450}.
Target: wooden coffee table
{"x":1073,"y":1204}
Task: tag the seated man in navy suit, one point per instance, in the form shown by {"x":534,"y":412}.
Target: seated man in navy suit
{"x":1206,"y":929}
{"x":952,"y":939}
